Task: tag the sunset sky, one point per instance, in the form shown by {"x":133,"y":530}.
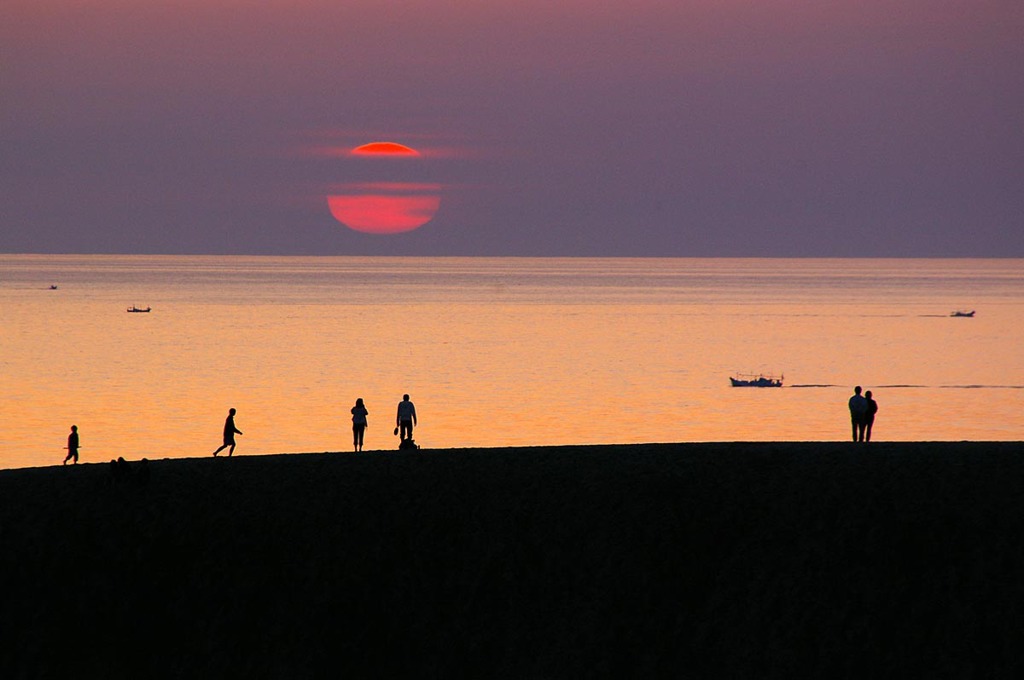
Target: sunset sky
{"x":641,"y":128}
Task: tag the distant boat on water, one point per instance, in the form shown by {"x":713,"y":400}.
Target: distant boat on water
{"x":53,"y":287}
{"x":141,"y":310}
{"x":963,"y":314}
{"x":751,"y":380}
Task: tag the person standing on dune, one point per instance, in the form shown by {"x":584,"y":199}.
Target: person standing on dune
{"x":869,"y":415}
{"x":229,"y":434}
{"x":359,"y":414}
{"x":405,"y":418}
{"x":858,"y":414}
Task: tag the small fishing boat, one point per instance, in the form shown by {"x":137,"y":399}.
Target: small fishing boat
{"x":53,"y":287}
{"x":139,"y":310}
{"x":751,"y":380}
{"x":963,"y":314}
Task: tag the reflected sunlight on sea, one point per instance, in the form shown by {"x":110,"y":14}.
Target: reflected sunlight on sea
{"x":497,"y":352}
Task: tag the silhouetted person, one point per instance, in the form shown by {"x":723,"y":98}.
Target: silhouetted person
{"x":869,"y":415}
{"x":72,"y":446}
{"x":858,"y":413}
{"x":359,"y":414}
{"x":406,"y":418}
{"x":229,"y":434}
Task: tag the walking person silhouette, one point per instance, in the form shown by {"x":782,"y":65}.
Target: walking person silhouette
{"x":72,"y":446}
{"x":229,"y":434}
{"x":359,"y":414}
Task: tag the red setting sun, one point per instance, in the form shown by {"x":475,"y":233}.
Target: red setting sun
{"x":384,"y":149}
{"x":385,"y":206}
{"x":392,"y":209}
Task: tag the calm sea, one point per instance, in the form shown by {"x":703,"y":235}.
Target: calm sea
{"x":497,"y":352}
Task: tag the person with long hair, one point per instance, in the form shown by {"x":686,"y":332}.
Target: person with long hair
{"x":359,"y":423}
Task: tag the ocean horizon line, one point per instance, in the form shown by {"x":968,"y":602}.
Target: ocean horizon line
{"x":520,"y":256}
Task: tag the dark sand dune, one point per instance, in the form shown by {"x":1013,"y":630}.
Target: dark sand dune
{"x":704,"y":560}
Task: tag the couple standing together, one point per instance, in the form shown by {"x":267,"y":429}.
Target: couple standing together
{"x":862,"y":414}
{"x":404,"y":421}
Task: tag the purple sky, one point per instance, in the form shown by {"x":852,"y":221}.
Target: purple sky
{"x":678,"y":128}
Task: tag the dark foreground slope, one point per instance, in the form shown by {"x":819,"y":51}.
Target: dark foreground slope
{"x":706,"y":560}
